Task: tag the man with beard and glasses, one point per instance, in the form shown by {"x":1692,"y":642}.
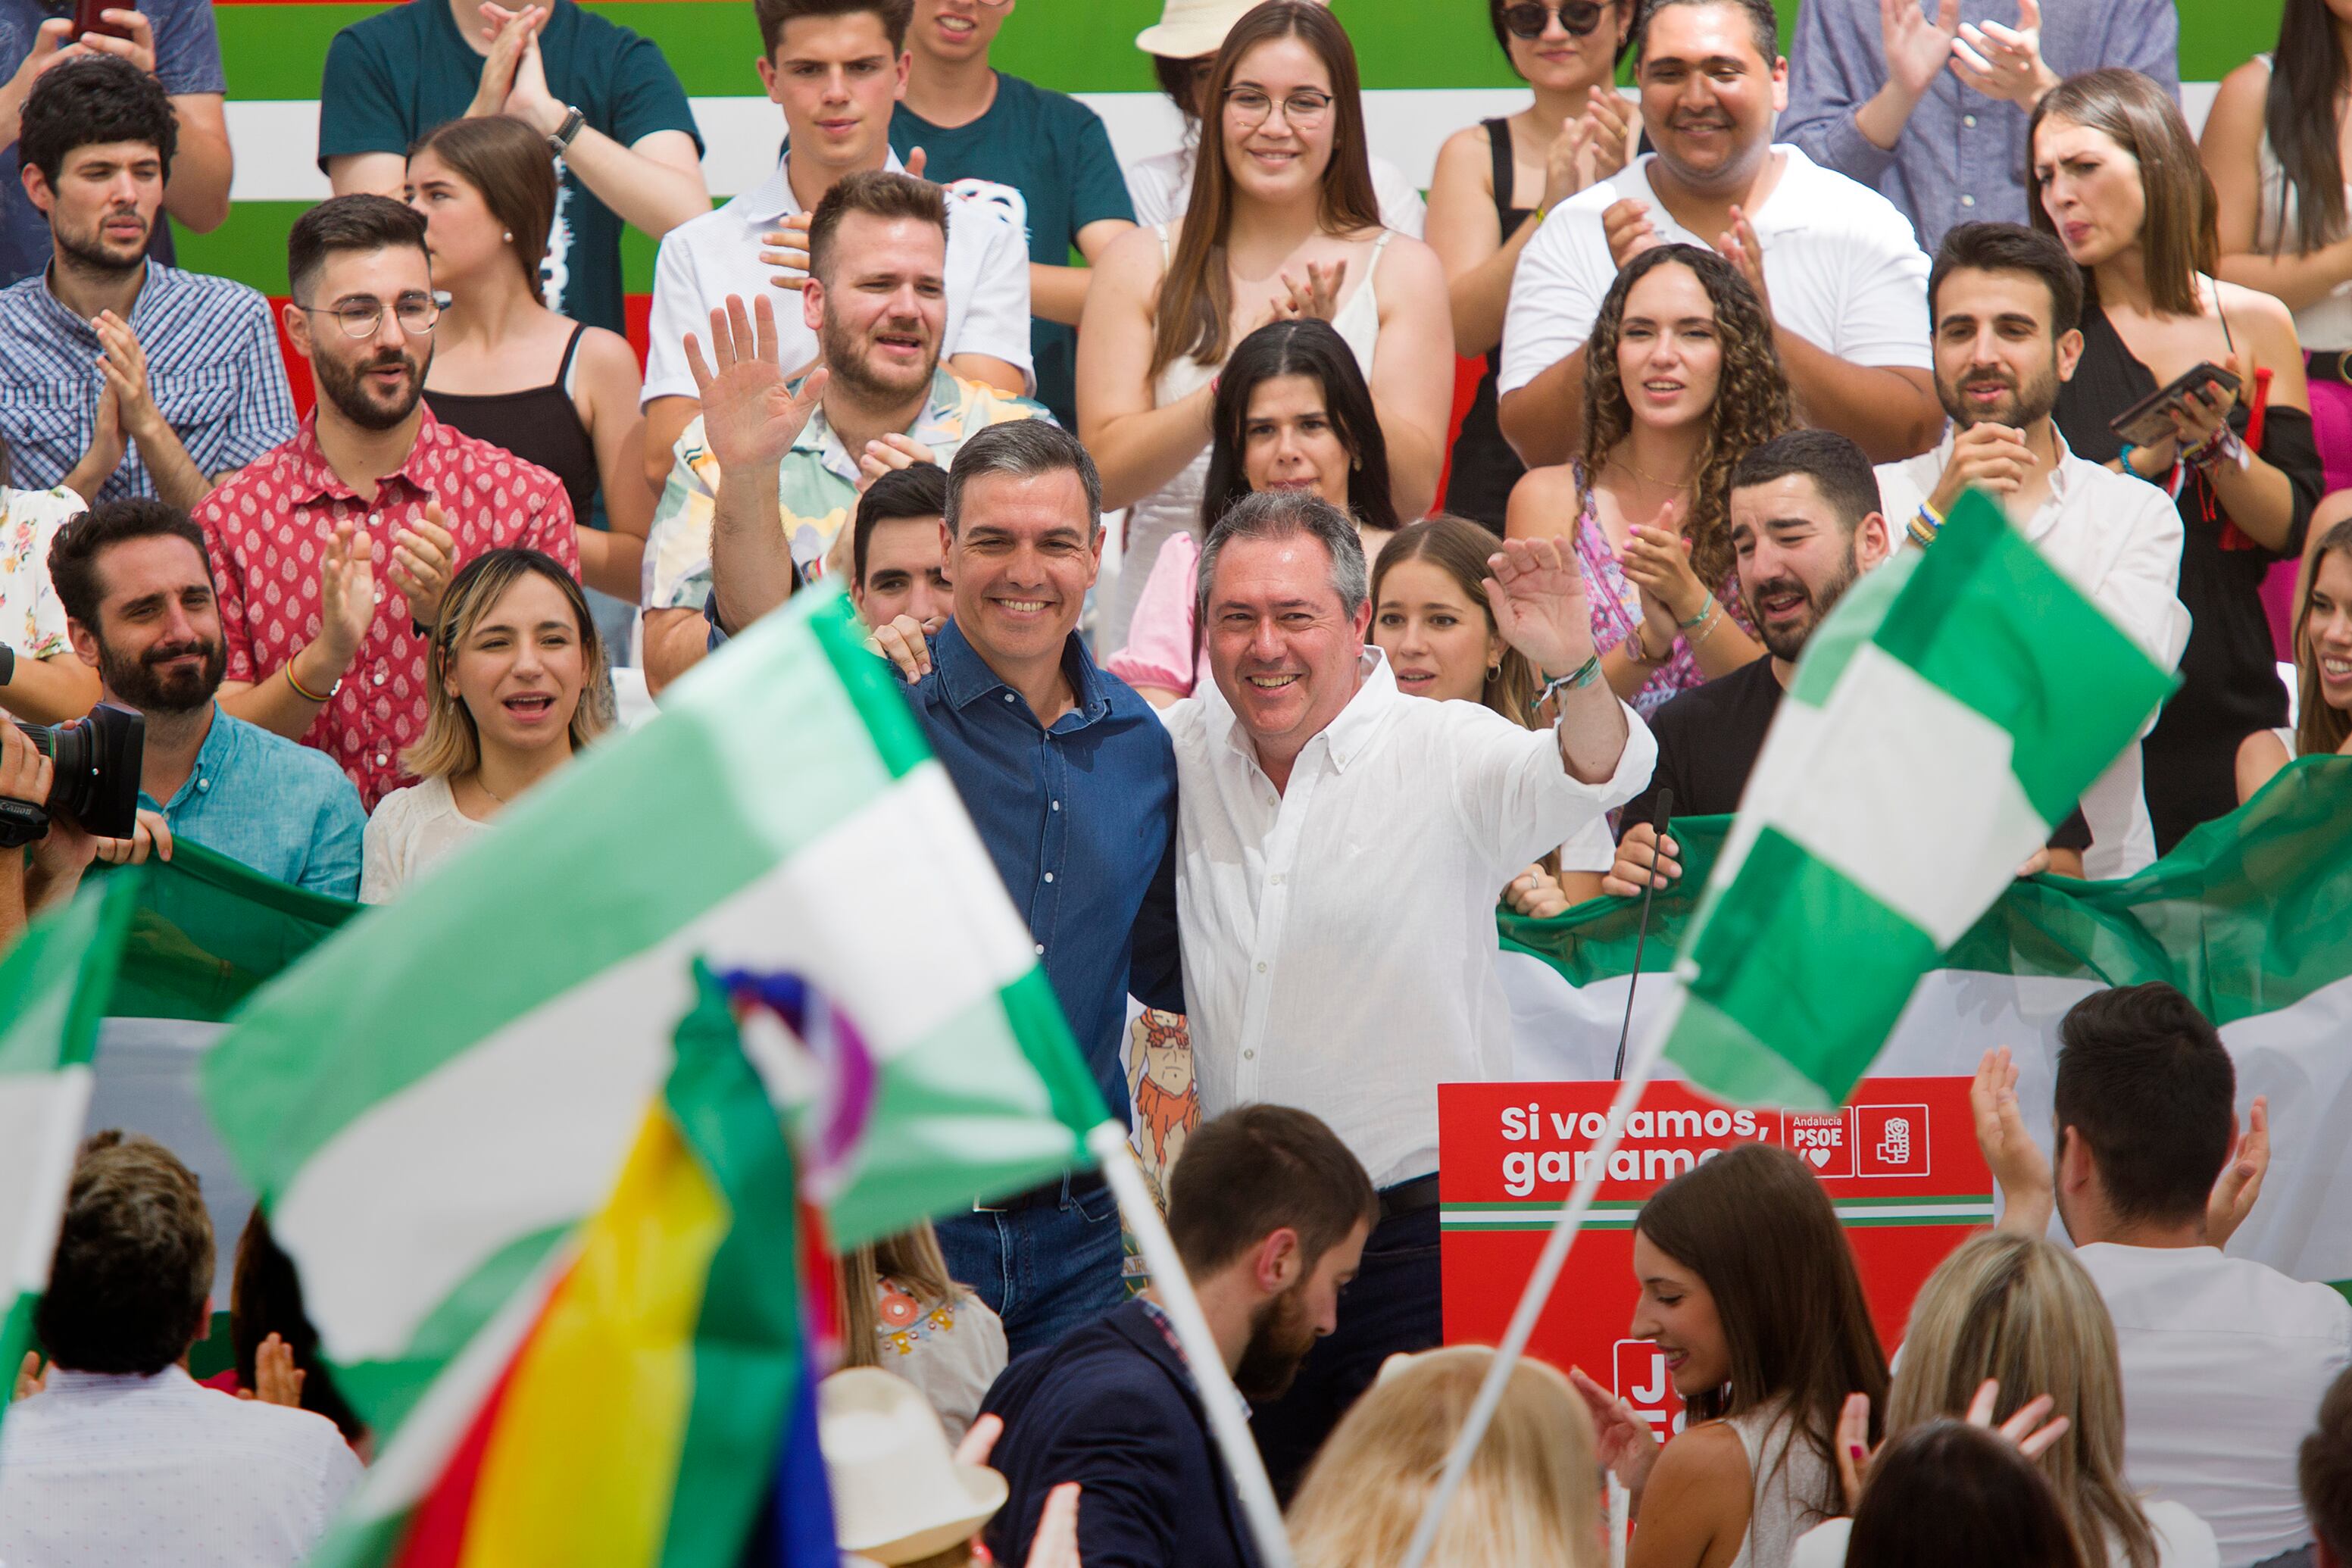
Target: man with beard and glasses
{"x":333,"y":549}
{"x":1269,"y":1212}
{"x":119,"y":375}
{"x":876,"y":301}
{"x":1832,"y":262}
{"x":2005,"y":300}
{"x":1805,"y":523}
{"x":138,"y":593}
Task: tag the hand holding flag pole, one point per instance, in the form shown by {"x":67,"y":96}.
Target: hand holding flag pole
{"x":1663,"y":820}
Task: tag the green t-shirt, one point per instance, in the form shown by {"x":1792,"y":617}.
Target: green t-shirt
{"x":398,"y":74}
{"x":1044,"y":158}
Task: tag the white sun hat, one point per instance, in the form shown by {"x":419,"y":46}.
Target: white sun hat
{"x":1187,"y":29}
{"x":898,"y":1496}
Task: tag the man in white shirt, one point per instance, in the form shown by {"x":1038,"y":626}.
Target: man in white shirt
{"x":1831,"y":260}
{"x":1338,"y":846}
{"x":121,"y":1459}
{"x":2005,"y":300}
{"x":836,"y":68}
{"x":2224,"y":1359}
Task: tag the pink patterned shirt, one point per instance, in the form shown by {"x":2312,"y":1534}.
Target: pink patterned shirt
{"x":265,"y":527}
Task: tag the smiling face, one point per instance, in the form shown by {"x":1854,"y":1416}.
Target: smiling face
{"x":373,"y":382}
{"x":157,"y":646}
{"x":1677,"y":1310}
{"x":1995,"y":360}
{"x":836,"y":79}
{"x":1439,"y":643}
{"x":954,"y":31}
{"x":462,"y":235}
{"x":1284,"y":650}
{"x":1288,"y":442}
{"x":880,"y":308}
{"x":520,"y":670}
{"x":1022,"y":559}
{"x":1707,"y":96}
{"x":1796,"y":558}
{"x":104,"y":204}
{"x":2328,"y":631}
{"x":906,"y":574}
{"x":1669,"y":350}
{"x":1278,"y":159}
{"x":2090,"y":185}
{"x":1560,"y":61}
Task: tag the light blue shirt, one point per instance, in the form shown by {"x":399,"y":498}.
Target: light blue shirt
{"x":283,"y":809}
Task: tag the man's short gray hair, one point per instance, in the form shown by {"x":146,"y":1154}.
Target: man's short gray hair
{"x":1023,"y":448}
{"x":1277,"y":514}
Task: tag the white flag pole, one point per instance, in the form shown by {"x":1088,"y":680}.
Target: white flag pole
{"x":1538,"y":1290}
{"x":1108,"y":1143}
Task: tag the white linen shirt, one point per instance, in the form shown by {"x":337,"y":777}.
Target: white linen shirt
{"x":2224,"y":1361}
{"x":2118,"y":539}
{"x":101,"y":1470}
{"x":707,"y":259}
{"x":1340,"y":939}
{"x":1844,"y":272}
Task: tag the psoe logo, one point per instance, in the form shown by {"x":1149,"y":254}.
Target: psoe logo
{"x":1644,"y":1382}
{"x":1891,"y":1140}
{"x":1819,"y":1138}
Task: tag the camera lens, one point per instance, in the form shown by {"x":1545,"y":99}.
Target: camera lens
{"x":96,"y":761}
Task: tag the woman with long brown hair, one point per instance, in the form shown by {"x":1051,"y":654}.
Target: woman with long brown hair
{"x":1682,"y":381}
{"x":1750,"y":1291}
{"x":1282,"y":224}
{"x":2117,"y":178}
{"x":2323,"y":663}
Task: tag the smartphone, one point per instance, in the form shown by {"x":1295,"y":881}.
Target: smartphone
{"x":89,"y":17}
{"x":2149,"y":420}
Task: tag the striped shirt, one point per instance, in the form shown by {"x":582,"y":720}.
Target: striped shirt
{"x":213,"y":369}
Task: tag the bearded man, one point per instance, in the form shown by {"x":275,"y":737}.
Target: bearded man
{"x":332,"y":550}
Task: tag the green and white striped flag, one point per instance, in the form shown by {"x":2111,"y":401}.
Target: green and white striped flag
{"x":1949,"y":711}
{"x":433,"y":1101}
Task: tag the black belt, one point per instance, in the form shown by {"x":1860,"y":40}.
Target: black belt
{"x":1409,"y":1197}
{"x":2328,"y":364}
{"x":1045,"y":1194}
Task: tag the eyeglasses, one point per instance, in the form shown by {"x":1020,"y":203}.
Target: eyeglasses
{"x":1305,"y":109}
{"x":1527,"y":20}
{"x":364,"y":318}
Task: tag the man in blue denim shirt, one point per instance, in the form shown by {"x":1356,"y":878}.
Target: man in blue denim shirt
{"x":138,"y":594}
{"x":1071,"y":780}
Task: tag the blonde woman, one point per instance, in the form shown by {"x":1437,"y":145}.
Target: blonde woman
{"x":1532,"y":1499}
{"x":517,"y":684}
{"x":901,"y":1310}
{"x":2018,"y":1311}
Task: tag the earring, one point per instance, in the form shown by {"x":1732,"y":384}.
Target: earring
{"x":506,"y":235}
{"x":1495,"y":670}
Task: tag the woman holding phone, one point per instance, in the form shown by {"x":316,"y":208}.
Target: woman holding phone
{"x":2117,"y":179}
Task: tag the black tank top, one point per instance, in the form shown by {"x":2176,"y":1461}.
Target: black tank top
{"x":1483,"y":468}
{"x":541,"y":425}
{"x":2228,"y":674}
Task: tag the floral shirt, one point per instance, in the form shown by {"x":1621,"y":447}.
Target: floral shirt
{"x":32,"y":621}
{"x":1616,"y":604}
{"x":817,"y":488}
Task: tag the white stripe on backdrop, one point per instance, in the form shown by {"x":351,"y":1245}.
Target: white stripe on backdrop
{"x":275,"y":140}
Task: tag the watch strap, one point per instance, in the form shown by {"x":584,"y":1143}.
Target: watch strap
{"x":573,"y":120}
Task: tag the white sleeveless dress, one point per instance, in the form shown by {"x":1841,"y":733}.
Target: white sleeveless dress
{"x":1786,"y":1478}
{"x":1175,"y":506}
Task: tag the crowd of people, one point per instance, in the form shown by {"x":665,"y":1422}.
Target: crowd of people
{"x":1265,"y":667}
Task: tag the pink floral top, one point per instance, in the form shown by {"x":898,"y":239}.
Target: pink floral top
{"x":1616,"y":604}
{"x":1161,"y":648}
{"x":32,"y":621}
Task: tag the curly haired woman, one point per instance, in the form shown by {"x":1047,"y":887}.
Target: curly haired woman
{"x":1682,"y":381}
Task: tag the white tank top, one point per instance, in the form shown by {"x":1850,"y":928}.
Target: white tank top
{"x":2325,"y":323}
{"x":1785,"y":1480}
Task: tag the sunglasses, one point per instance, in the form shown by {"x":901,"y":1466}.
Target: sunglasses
{"x":1577,"y":17}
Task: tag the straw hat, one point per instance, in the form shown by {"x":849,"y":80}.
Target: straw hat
{"x":898,"y":1496}
{"x":1191,"y":28}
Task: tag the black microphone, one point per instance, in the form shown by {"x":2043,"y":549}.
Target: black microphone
{"x":1660,"y":819}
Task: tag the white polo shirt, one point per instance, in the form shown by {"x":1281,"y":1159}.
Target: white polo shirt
{"x":707,"y":259}
{"x":1845,"y":270}
{"x":2118,"y":539}
{"x":1339,"y":938}
{"x":2224,"y":1361}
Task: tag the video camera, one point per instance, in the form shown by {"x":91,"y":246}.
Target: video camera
{"x":97,"y":760}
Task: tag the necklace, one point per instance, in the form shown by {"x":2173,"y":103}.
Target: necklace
{"x":486,"y":789}
{"x":1627,"y":464}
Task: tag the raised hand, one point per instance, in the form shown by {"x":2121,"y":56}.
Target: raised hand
{"x":31,"y":1377}
{"x":1536,"y":592}
{"x":2029,"y":1427}
{"x":528,"y":98}
{"x":1626,"y":224}
{"x":346,"y":593}
{"x":506,"y":46}
{"x":1917,"y":49}
{"x":1739,"y":246}
{"x":2242,"y":1179}
{"x":277,"y":1380}
{"x":2019,"y":1167}
{"x":138,"y":49}
{"x":1986,"y":457}
{"x":1609,"y":139}
{"x":124,"y":366}
{"x":787,"y":251}
{"x":902,"y":643}
{"x":424,"y":558}
{"x":1656,"y":558}
{"x":889,"y":454}
{"x":1627,"y":1445}
{"x":2005,"y":62}
{"x":1317,"y":298}
{"x":751,"y":414}
{"x":914,"y":163}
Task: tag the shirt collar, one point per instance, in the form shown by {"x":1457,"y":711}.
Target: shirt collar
{"x":62,"y":312}
{"x":1350,"y":730}
{"x":2045,"y":518}
{"x":939,"y":424}
{"x":966,"y":677}
{"x":772,"y":197}
{"x":65,"y":1381}
{"x":314,"y":479}
{"x":211,"y":762}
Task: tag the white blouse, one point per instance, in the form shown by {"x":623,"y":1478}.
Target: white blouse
{"x":413,"y":830}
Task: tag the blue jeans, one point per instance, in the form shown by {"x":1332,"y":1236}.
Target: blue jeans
{"x":1391,"y":1305}
{"x":1043,"y":1270}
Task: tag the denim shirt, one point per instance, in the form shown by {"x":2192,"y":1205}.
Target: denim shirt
{"x":283,"y":809}
{"x":1081,"y":819}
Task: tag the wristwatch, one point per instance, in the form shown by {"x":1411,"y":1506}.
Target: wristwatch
{"x":573,"y":120}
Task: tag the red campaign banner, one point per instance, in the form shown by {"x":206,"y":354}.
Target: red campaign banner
{"x":1900,"y":1162}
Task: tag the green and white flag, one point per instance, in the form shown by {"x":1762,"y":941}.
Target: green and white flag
{"x":433,"y":1102}
{"x":1949,"y":711}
